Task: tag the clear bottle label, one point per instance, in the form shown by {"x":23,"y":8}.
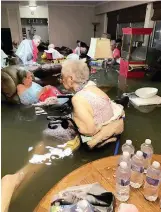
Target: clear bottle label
{"x":151,"y":181}
{"x":137,"y":168}
{"x":145,"y":155}
{"x":124,"y":182}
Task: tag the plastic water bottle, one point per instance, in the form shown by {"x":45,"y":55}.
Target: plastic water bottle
{"x":147,"y":150}
{"x":125,"y":157}
{"x":128,"y":147}
{"x":137,"y":170}
{"x":123,"y":182}
{"x":152,"y":181}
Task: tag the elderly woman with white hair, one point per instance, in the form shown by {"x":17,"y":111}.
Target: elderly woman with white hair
{"x":52,"y":53}
{"x":98,"y":119}
{"x":27,"y":51}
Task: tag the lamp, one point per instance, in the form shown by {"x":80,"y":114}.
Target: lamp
{"x":100,"y":48}
{"x":32,"y":8}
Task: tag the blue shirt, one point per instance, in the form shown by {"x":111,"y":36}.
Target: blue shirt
{"x":30,"y":95}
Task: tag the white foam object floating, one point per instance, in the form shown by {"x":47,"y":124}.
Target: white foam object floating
{"x":30,"y":148}
{"x":146,"y":93}
{"x":54,"y":153}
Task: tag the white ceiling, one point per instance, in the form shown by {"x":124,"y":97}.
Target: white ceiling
{"x":61,"y":2}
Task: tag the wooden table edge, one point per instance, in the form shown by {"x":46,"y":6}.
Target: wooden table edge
{"x":71,"y":173}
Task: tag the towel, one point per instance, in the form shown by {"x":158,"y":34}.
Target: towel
{"x":155,"y":100}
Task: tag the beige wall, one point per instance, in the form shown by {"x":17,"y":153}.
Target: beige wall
{"x":4,"y":17}
{"x":70,"y":23}
{"x":10,"y":18}
{"x":102,"y":27}
{"x":116,"y":5}
{"x":41,"y":12}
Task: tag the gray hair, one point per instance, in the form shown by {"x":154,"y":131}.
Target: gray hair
{"x":36,"y":37}
{"x":22,"y":74}
{"x":78,"y":69}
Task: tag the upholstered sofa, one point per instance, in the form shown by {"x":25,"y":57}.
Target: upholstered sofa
{"x":9,"y":82}
{"x":47,"y":74}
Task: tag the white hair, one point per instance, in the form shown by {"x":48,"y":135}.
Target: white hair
{"x":36,"y":37}
{"x":51,"y":46}
{"x":78,"y":69}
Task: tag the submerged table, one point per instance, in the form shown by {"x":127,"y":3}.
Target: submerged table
{"x":102,"y":171}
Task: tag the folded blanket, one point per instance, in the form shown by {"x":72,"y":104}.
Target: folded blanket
{"x":50,"y":92}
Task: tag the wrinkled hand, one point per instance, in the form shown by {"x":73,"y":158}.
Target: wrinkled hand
{"x":47,"y":87}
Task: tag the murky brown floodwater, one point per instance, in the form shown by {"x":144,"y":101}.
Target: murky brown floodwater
{"x":18,"y":134}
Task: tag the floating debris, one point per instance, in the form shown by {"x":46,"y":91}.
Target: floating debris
{"x":54,"y":153}
{"x":30,"y":148}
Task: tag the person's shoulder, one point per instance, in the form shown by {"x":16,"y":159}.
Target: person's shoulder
{"x":76,"y":99}
{"x":20,"y":85}
{"x":20,"y":88}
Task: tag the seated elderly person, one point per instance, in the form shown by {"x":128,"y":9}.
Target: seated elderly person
{"x":115,"y":52}
{"x":81,"y":49}
{"x":30,"y":92}
{"x":98,"y":119}
{"x":27,"y":51}
{"x":52,"y":53}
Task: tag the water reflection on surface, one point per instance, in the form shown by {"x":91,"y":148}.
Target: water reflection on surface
{"x":21,"y":129}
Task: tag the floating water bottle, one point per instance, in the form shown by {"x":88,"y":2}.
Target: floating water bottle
{"x":147,"y":150}
{"x":137,"y":170}
{"x":151,"y":186}
{"x":123,"y":182}
{"x":128,"y":147}
{"x":125,"y":157}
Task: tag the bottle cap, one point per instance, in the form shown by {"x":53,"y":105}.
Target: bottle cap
{"x":139,"y":154}
{"x":129,"y":142}
{"x":123,"y":165}
{"x":126,"y":154}
{"x":148,"y":141}
{"x":156,"y":164}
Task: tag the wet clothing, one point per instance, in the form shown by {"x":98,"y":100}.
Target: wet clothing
{"x":30,"y":95}
{"x":101,"y":106}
